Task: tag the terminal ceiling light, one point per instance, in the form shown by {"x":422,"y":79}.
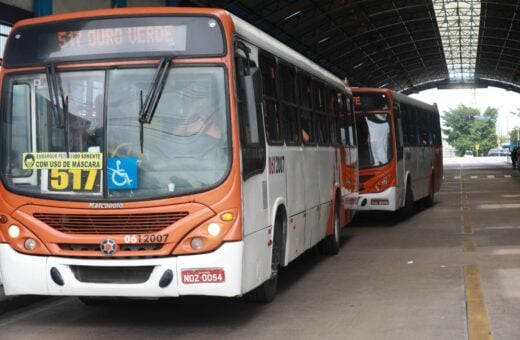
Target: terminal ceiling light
{"x":459,"y":22}
{"x":290,"y":16}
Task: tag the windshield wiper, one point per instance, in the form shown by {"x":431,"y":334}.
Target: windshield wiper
{"x":61,"y":113}
{"x":148,"y":107}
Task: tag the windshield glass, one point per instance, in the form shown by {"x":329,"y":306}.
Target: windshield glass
{"x":374,"y":139}
{"x":185,"y":146}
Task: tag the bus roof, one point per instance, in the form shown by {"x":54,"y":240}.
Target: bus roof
{"x":114,"y":12}
{"x":396,"y":96}
{"x":243,"y":28}
{"x":270,"y":44}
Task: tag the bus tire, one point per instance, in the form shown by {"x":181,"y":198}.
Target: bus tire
{"x":330,"y":245}
{"x":407,"y":210}
{"x":266,"y":292}
{"x":430,"y":199}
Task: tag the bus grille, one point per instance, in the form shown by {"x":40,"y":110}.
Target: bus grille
{"x":122,"y":247}
{"x":123,"y":275}
{"x":111,"y":224}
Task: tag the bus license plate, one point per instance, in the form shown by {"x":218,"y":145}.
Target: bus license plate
{"x":213,"y":275}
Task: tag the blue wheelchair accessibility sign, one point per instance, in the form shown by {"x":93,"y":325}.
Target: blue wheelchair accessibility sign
{"x":122,"y":173}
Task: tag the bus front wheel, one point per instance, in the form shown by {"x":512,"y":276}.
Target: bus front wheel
{"x":330,"y":245}
{"x":407,"y":210}
{"x":266,"y":292}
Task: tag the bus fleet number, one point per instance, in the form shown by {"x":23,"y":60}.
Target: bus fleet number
{"x":152,"y":238}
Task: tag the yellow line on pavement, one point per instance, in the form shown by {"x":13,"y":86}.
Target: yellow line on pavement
{"x":478,"y":320}
{"x":470,"y":246}
{"x":468,"y":229}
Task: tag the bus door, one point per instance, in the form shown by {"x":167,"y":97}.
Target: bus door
{"x":350,"y":167}
{"x":411,"y":150}
{"x":257,"y":260}
{"x":425,"y":155}
{"x":399,"y":147}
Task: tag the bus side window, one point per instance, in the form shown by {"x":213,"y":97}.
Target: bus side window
{"x":273,"y":123}
{"x":320,"y":114}
{"x":304,"y":84}
{"x":248,"y":95}
{"x":288,"y":104}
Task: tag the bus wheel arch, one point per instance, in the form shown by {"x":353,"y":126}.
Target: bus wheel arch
{"x":430,"y":199}
{"x":331,"y":244}
{"x":408,"y":204}
{"x":266,"y":292}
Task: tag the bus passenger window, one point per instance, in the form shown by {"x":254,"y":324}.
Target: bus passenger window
{"x":273,"y":122}
{"x":306,"y":114}
{"x":288,"y":106}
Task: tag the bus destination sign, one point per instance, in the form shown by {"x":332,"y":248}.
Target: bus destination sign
{"x":114,"y":38}
{"x":125,"y":39}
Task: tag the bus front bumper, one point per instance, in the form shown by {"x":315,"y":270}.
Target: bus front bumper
{"x":216,"y":274}
{"x":382,"y":201}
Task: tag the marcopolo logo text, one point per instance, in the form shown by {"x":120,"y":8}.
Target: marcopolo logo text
{"x":105,"y":205}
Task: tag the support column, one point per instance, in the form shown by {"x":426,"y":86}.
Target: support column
{"x":119,"y":3}
{"x":173,"y":3}
{"x":42,"y":7}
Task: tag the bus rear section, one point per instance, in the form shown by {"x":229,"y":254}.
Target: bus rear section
{"x":400,"y":150}
{"x":136,"y":160}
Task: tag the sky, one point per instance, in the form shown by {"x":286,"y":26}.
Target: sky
{"x":504,"y":101}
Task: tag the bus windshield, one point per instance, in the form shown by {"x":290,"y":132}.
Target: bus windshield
{"x":374,"y":139}
{"x":91,"y":149}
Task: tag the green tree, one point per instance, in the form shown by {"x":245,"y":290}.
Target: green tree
{"x":513,"y":135}
{"x":466,"y":127}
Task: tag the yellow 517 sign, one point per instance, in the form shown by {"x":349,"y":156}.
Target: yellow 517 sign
{"x":73,"y":180}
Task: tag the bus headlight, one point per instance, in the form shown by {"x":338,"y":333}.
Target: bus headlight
{"x":197,"y":243}
{"x":21,"y":239}
{"x":214,"y":229}
{"x":209,"y":235}
{"x":13,"y":231}
{"x":30,"y":244}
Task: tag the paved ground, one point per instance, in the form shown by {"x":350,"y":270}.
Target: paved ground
{"x":449,"y":272}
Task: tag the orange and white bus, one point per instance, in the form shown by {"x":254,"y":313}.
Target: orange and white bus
{"x":154,"y":152}
{"x":400,"y":150}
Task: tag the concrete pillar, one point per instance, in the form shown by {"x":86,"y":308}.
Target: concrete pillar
{"x":173,"y":3}
{"x":42,"y":7}
{"x":119,"y":3}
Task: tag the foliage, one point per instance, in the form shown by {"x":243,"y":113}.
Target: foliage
{"x":515,"y":133}
{"x":513,"y":136}
{"x":466,"y":127}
